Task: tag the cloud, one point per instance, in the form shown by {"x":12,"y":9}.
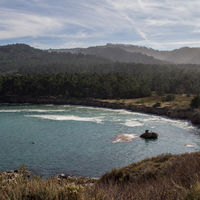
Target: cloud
{"x":154,"y":23}
{"x":14,"y":24}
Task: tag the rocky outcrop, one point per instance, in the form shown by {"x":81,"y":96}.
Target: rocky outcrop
{"x":195,"y":119}
{"x":149,"y":135}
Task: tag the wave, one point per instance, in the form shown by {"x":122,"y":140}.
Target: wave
{"x":97,"y":108}
{"x":40,"y":110}
{"x":31,"y":110}
{"x":68,"y":118}
{"x":120,"y":111}
{"x":140,"y":118}
{"x":125,"y":138}
{"x":9,"y":111}
{"x":178,"y":123}
{"x":132,"y":123}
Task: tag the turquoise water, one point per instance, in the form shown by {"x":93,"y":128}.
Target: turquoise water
{"x":81,"y":141}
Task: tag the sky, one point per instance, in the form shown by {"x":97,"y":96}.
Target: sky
{"x":44,"y":24}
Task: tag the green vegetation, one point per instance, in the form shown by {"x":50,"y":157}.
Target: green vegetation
{"x":162,"y":177}
{"x":140,"y":83}
{"x":21,"y":58}
{"x":113,"y":85}
{"x":18,"y":60}
{"x":34,"y":73}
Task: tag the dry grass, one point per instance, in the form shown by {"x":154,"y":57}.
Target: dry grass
{"x":165,"y":177}
{"x":181,"y":101}
{"x":162,"y":177}
{"x":22,"y":188}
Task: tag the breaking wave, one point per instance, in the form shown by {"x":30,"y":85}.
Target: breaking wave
{"x":68,"y":118}
{"x":132,"y":123}
{"x":31,"y":110}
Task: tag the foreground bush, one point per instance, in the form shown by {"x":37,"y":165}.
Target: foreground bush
{"x":165,"y":177}
{"x":21,"y":188}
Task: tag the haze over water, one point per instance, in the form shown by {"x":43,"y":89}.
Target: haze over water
{"x":81,"y":141}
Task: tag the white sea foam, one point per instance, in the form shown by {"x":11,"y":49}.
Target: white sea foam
{"x":125,"y":138}
{"x":41,"y":110}
{"x":120,"y":111}
{"x":189,"y":145}
{"x":9,"y":111}
{"x":178,"y":123}
{"x":97,"y":108}
{"x":145,"y":117}
{"x":68,"y":118}
{"x":132,"y":123}
{"x":31,"y":110}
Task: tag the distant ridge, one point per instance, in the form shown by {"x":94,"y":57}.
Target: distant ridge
{"x":137,"y":54}
{"x":22,"y":58}
{"x":114,"y":53}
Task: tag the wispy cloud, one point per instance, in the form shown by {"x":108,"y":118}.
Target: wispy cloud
{"x":14,"y":24}
{"x":159,"y":24}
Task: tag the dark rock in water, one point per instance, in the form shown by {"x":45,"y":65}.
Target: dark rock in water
{"x":149,"y":135}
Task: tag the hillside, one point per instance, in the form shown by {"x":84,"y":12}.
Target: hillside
{"x":90,"y":75}
{"x":21,"y":58}
{"x":132,"y":53}
{"x":162,"y":177}
{"x":114,"y":53}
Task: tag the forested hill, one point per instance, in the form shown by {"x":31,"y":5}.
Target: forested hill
{"x":21,"y":58}
{"x":132,"y":53}
{"x":114,"y":53}
{"x":36,"y":72}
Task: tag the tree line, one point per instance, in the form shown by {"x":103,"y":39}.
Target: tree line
{"x":113,"y":85}
{"x":137,"y":83}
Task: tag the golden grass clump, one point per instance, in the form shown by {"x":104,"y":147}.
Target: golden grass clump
{"x":165,"y":177}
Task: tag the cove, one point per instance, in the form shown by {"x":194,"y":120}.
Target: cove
{"x":82,"y":141}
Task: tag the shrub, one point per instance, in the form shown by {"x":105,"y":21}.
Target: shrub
{"x":169,"y":97}
{"x":195,"y":103}
{"x":188,"y":95}
{"x":156,"y":105}
{"x":194,"y":192}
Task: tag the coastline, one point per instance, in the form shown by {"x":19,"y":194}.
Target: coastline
{"x":190,"y":114}
{"x":179,"y":172}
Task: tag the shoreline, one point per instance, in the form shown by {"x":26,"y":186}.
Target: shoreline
{"x":190,"y":114}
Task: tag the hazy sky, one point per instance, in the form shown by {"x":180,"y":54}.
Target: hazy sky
{"x":160,"y":24}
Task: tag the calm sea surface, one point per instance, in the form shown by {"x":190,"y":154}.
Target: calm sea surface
{"x":80,"y":141}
